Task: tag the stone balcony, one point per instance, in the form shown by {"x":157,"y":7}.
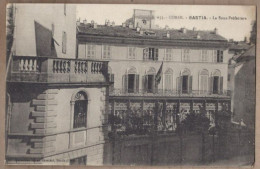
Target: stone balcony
{"x":169,"y":93}
{"x":57,"y":70}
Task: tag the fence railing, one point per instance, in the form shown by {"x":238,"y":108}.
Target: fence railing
{"x":46,"y":69}
{"x":173,"y":93}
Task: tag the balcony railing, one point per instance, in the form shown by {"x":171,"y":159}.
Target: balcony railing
{"x":57,"y":70}
{"x":169,"y":93}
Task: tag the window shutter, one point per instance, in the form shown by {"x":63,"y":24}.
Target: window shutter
{"x":190,"y":84}
{"x":137,"y":83}
{"x":210,"y":85}
{"x":221,"y":85}
{"x":145,"y":83}
{"x":156,"y":53}
{"x":153,"y":86}
{"x":180,"y":84}
{"x":125,"y":83}
{"x":64,"y":41}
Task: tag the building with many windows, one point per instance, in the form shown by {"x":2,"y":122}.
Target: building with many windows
{"x":53,"y":97}
{"x":180,"y":70}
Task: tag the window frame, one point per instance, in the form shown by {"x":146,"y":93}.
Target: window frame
{"x":186,"y":55}
{"x":64,"y":42}
{"x":90,"y":51}
{"x":106,"y":53}
{"x":168,"y":54}
{"x":132,"y":54}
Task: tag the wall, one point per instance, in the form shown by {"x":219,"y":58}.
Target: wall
{"x":120,"y":63}
{"x":244,"y":93}
{"x":27,"y":14}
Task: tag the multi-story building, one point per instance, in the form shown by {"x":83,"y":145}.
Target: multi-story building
{"x":181,"y":70}
{"x":53,"y":97}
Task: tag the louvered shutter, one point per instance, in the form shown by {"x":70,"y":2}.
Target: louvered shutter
{"x":221,"y":85}
{"x":154,"y":84}
{"x":179,"y":80}
{"x":136,"y":83}
{"x":156,"y":53}
{"x":125,"y":83}
{"x":210,"y":85}
{"x":190,"y":84}
{"x":145,"y":84}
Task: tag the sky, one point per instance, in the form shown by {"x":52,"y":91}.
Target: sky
{"x":228,"y":28}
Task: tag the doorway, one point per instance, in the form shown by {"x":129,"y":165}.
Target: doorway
{"x":150,"y":82}
{"x":215,"y":84}
{"x":131,"y":83}
{"x":185,"y":84}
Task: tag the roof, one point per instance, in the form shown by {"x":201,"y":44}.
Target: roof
{"x":250,"y":53}
{"x":239,"y":46}
{"x":175,"y":34}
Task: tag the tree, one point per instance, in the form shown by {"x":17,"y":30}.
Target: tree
{"x":253,"y":33}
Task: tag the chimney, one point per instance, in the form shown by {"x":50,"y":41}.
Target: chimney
{"x":231,"y":40}
{"x":183,"y":30}
{"x":138,"y":29}
{"x":245,"y":39}
{"x":168,"y":34}
{"x":215,"y":31}
{"x":166,"y":27}
{"x":85,"y":21}
{"x":194,"y":28}
{"x":78,"y":22}
{"x":198,"y":36}
{"x":123,"y":25}
{"x":131,"y":25}
{"x":113,"y":23}
{"x":95,"y":25}
{"x":108,"y":23}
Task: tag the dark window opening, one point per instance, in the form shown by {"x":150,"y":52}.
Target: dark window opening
{"x":80,"y":111}
{"x":150,"y":84}
{"x":79,"y":161}
{"x":151,"y":54}
{"x":219,"y":56}
{"x":131,"y":83}
{"x":215,"y":85}
{"x":185,"y":84}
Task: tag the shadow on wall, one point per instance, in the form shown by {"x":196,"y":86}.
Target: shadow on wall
{"x":44,"y":41}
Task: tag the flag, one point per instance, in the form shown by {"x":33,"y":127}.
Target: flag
{"x":159,"y":74}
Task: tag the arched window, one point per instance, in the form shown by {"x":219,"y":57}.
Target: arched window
{"x":216,"y":81}
{"x":80,"y":110}
{"x":184,"y":82}
{"x":203,"y":81}
{"x":149,"y":81}
{"x":168,"y":79}
{"x":131,"y":81}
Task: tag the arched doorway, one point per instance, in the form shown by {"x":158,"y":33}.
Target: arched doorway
{"x":80,"y":110}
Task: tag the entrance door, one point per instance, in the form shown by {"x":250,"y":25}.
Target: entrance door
{"x":185,"y":84}
{"x":215,"y":85}
{"x":150,"y":83}
{"x":131,"y":83}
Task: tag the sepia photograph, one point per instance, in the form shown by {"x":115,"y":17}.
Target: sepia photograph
{"x":130,"y":84}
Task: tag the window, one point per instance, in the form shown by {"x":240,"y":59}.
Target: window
{"x":150,"y":86}
{"x":131,"y":81}
{"x":184,"y":82}
{"x":151,"y":54}
{"x":80,"y":110}
{"x":79,"y":161}
{"x":64,"y":42}
{"x":204,"y":55}
{"x":106,"y":52}
{"x":186,"y":55}
{"x":203,"y":83}
{"x":131,"y":52}
{"x":218,"y":56}
{"x":216,"y":83}
{"x":91,"y":51}
{"x":168,"y":54}
{"x":168,"y":79}
{"x":111,"y":78}
{"x":144,"y":21}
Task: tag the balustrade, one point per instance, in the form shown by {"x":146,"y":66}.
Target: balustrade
{"x":50,"y":70}
{"x":173,"y":93}
{"x":28,"y":64}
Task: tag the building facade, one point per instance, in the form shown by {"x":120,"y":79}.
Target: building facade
{"x":53,"y":97}
{"x":180,"y":71}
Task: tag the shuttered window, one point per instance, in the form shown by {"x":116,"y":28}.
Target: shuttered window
{"x":106,"y":52}
{"x":204,"y":55}
{"x":186,"y":55}
{"x":131,"y":52}
{"x":168,"y":54}
{"x":91,"y":51}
